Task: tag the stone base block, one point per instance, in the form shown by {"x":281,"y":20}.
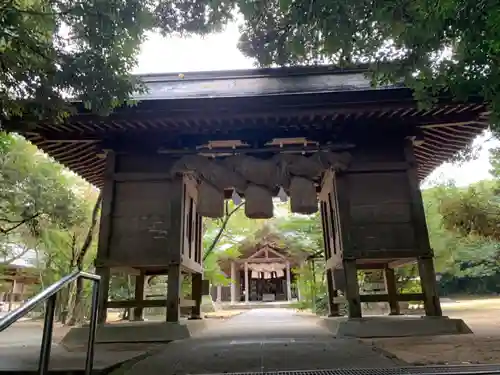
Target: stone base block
{"x":134,"y":332}
{"x":394,"y":326}
{"x":207,"y":305}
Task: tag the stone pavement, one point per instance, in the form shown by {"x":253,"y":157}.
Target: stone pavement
{"x":261,"y":340}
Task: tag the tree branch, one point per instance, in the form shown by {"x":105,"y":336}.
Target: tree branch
{"x":221,"y":229}
{"x":24,"y":221}
{"x":15,"y":257}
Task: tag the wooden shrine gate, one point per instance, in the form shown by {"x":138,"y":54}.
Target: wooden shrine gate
{"x":319,"y":134}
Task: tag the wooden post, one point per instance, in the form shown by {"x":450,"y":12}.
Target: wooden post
{"x":12,"y":292}
{"x":219,"y":293}
{"x":348,"y":264}
{"x":174,"y":293}
{"x":352,"y":288}
{"x":427,"y":275}
{"x":233,"y":282}
{"x":21,"y":293}
{"x":139,"y":297}
{"x":105,"y":234}
{"x":333,"y":308}
{"x":196,"y":294}
{"x":105,"y":274}
{"x":392,"y":290}
{"x":327,"y":228}
{"x":247,"y":288}
{"x":288,"y":282}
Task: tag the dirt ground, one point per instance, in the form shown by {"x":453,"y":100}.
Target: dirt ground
{"x":481,"y":315}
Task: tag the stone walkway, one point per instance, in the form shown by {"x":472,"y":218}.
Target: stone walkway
{"x":261,"y":340}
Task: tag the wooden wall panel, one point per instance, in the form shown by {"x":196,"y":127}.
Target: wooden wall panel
{"x":379,"y":188}
{"x":390,"y":153}
{"x":383,"y":237}
{"x":146,"y":223}
{"x":397,"y":212}
{"x":380,"y":206}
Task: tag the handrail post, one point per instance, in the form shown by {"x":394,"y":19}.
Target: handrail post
{"x":48,"y":325}
{"x":89,"y":361}
{"x":50,"y":295}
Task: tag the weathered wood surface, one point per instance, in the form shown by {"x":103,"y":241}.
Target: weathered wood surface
{"x":381,"y":221}
{"x":144,"y":227}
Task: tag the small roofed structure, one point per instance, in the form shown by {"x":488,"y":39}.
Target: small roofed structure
{"x":16,"y":278}
{"x":263,"y":272}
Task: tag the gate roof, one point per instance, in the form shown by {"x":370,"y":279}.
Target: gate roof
{"x":321,"y":103}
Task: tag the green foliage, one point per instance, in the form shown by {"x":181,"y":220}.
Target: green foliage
{"x":52,"y":50}
{"x":463,"y":229}
{"x":222,"y":238}
{"x":301,"y":232}
{"x":432,"y":46}
{"x":472,"y":211}
{"x":33,"y":190}
{"x":49,"y":210}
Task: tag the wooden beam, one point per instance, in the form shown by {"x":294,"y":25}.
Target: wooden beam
{"x":369,"y":298}
{"x":378,"y":167}
{"x":191,"y":266}
{"x":127,"y":304}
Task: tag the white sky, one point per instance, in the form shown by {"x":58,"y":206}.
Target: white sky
{"x":220,"y":52}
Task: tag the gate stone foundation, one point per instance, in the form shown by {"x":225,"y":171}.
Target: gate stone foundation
{"x":394,"y":326}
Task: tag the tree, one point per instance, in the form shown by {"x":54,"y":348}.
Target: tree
{"x":33,"y":190}
{"x":222,"y":238}
{"x":52,"y":50}
{"x":47,"y":209}
{"x":463,"y":233}
{"x":70,"y":247}
{"x":304,"y":233}
{"x":432,"y":46}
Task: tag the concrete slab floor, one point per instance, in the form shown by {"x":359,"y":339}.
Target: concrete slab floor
{"x":261,"y":340}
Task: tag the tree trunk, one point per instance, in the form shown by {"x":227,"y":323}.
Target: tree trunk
{"x":77,"y":310}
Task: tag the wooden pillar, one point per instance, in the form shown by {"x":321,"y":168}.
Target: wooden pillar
{"x":21,"y":293}
{"x":352,"y":288}
{"x":174,"y":293}
{"x":247,"y":288}
{"x":196,"y":294}
{"x":105,"y":274}
{"x":139,"y":297}
{"x":333,"y":308}
{"x":219,"y":293}
{"x":427,"y":275}
{"x":12,"y":293}
{"x":288,"y":282}
{"x":348,"y":264}
{"x":392,"y":290}
{"x":425,"y":263}
{"x":233,"y":282}
{"x":105,"y":225}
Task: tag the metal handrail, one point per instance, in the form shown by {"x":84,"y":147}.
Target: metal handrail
{"x":50,"y":294}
